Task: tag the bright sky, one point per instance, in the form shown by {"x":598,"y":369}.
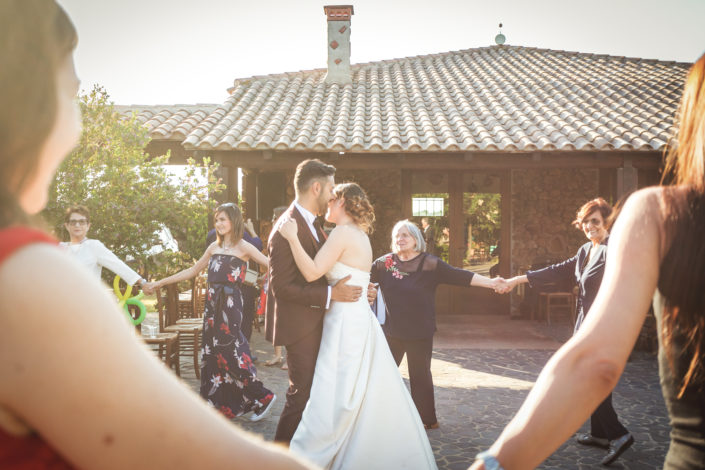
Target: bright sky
{"x":186,"y":51}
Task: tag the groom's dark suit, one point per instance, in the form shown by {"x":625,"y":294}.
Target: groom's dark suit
{"x":297,"y":307}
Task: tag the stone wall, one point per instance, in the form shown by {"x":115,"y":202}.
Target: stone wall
{"x":544,"y":203}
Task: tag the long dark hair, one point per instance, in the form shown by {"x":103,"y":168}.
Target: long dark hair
{"x":682,"y":271}
{"x":235,"y":215}
{"x":35,"y":37}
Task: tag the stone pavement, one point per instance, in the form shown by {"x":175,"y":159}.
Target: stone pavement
{"x":483,"y":368}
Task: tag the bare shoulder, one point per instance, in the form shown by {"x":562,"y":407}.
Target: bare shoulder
{"x":643,"y":206}
{"x":647,"y":199}
{"x":64,"y":284}
{"x":640,"y":221}
{"x":44,"y":296}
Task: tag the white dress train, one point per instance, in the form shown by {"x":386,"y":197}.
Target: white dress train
{"x":360,"y":415}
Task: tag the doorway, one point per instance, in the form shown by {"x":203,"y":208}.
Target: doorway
{"x":461,"y":216}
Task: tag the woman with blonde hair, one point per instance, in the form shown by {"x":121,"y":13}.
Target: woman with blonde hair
{"x":78,"y":388}
{"x":656,"y":255}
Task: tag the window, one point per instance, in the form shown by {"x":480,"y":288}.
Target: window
{"x":427,"y":207}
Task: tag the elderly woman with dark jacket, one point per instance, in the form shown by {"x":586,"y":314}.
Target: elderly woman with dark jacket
{"x":408,"y":279}
{"x":586,"y":269}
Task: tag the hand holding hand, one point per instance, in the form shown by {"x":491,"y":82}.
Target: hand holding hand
{"x":149,"y":287}
{"x":510,"y":284}
{"x":288,"y":228}
{"x":502,"y":286}
{"x":345,"y":293}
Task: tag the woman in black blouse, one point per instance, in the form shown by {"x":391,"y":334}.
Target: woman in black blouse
{"x":408,"y":278}
{"x":586,"y":269}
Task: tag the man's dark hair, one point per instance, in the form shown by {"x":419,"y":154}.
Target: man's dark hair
{"x":309,"y":171}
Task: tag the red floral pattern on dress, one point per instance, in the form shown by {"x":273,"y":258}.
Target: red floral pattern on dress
{"x":391,"y":265}
{"x":227,"y":411}
{"x":228,"y":376}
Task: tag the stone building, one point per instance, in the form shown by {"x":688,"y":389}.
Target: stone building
{"x":535,"y":132}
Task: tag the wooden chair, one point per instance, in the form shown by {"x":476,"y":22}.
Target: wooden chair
{"x":189,"y":334}
{"x":199,"y":295}
{"x":167,"y":349}
{"x":549,"y":301}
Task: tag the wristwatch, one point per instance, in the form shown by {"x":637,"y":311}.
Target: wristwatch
{"x":490,"y":461}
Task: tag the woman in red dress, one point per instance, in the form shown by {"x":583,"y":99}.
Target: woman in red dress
{"x":77,"y":388}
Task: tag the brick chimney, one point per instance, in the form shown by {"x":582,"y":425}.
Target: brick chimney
{"x":339,"y":43}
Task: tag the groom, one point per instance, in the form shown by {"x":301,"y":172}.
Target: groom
{"x":298,"y":306}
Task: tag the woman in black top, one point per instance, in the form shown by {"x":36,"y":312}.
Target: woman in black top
{"x":586,"y":269}
{"x":408,"y":278}
{"x":656,"y":254}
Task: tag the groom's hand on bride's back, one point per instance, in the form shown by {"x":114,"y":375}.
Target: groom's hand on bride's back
{"x":342,"y":292}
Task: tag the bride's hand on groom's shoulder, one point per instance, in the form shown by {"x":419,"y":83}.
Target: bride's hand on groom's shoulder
{"x":288,"y":228}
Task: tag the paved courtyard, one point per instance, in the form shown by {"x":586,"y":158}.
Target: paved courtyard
{"x":483,"y":368}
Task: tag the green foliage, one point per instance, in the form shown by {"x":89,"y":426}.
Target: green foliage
{"x":130,"y":194}
{"x":482,"y":212}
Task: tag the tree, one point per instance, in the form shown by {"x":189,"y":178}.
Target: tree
{"x":130,"y":194}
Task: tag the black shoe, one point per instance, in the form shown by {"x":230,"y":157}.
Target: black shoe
{"x":588,"y":439}
{"x":617,"y":448}
{"x":254,"y":358}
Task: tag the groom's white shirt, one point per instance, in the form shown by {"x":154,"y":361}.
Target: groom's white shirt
{"x":309,"y":217}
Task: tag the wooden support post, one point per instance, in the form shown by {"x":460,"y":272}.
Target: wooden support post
{"x":249,"y":191}
{"x":627,"y":179}
{"x":406,"y":209}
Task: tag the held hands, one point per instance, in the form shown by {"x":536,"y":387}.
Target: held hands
{"x":149,"y":287}
{"x":345,"y":293}
{"x":288,"y":228}
{"x":504,"y":286}
{"x":501,"y":285}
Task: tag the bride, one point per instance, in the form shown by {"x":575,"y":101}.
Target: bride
{"x":360,"y":414}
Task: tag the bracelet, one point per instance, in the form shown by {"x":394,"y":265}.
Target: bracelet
{"x":490,"y":461}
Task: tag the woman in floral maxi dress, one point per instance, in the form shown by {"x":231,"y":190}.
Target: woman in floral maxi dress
{"x":228,"y":376}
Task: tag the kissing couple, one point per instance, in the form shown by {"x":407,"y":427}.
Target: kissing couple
{"x":347,"y":405}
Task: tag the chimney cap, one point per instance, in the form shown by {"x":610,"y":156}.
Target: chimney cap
{"x":339,"y":12}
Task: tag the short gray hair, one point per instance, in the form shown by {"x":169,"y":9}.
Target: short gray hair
{"x":414,"y":231}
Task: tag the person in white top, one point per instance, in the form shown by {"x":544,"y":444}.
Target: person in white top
{"x":92,"y":253}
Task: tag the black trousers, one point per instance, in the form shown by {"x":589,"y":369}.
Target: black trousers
{"x":418,"y":355}
{"x":604,"y":422}
{"x":301,"y":359}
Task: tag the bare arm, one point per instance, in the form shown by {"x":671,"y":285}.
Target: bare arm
{"x":326,"y":257}
{"x":98,"y":396}
{"x":479,"y":280}
{"x":251,"y":252}
{"x":581,"y":374}
{"x":187,"y":273}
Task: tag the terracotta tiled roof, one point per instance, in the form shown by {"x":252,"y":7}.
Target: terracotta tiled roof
{"x":169,"y":121}
{"x":499,"y":98}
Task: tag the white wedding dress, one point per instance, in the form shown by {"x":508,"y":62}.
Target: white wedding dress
{"x":360,"y":415}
